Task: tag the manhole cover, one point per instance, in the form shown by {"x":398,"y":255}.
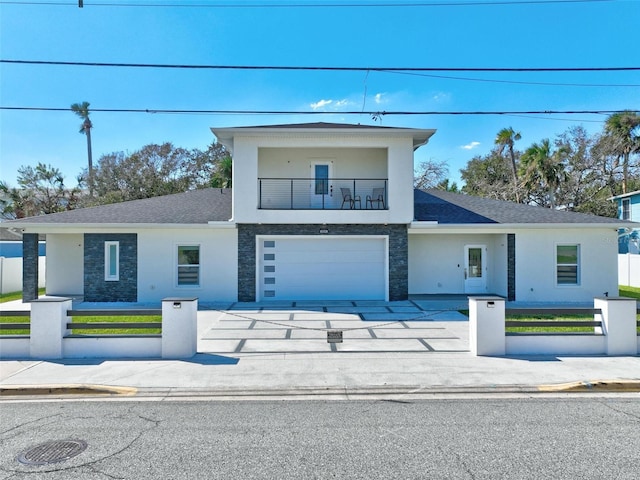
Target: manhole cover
{"x":52,"y":452}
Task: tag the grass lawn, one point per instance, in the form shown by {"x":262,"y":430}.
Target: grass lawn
{"x":550,"y":329}
{"x":631,"y":292}
{"x":9,"y":297}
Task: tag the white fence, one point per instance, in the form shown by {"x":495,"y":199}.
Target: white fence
{"x":614,"y":331}
{"x":50,"y":336}
{"x":629,"y":269}
{"x":11,"y":274}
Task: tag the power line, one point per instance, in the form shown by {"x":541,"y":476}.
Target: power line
{"x":324,"y":4}
{"x":375,"y":114}
{"x":319,"y":68}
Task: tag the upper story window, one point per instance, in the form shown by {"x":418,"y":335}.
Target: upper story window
{"x":626,"y":209}
{"x":112,"y":261}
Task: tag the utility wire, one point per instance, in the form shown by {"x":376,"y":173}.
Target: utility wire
{"x":324,"y":4}
{"x":325,"y":68}
{"x":376,"y":114}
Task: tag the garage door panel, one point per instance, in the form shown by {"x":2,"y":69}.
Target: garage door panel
{"x":307,"y":269}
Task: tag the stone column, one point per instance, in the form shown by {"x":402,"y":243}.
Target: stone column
{"x":29,"y":266}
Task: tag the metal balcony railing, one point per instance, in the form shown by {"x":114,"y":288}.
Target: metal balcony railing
{"x":322,"y":194}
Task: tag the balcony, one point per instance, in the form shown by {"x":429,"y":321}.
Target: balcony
{"x":322,"y":194}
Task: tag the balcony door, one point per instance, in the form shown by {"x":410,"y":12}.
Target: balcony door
{"x":321,"y":188}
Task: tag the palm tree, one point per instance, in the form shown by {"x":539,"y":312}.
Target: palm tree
{"x":543,"y":168}
{"x":224,"y":174}
{"x":624,"y":129}
{"x":82,"y":110}
{"x":506,"y":138}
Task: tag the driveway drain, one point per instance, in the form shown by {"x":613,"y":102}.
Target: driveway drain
{"x":52,"y":452}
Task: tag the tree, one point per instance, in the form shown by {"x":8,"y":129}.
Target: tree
{"x":489,"y":176}
{"x":624,"y":129}
{"x":543,"y":172}
{"x":506,"y":138}
{"x":82,"y":110}
{"x":159,"y":170}
{"x":429,"y":174}
{"x":42,"y":191}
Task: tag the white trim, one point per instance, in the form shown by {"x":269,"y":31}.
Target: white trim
{"x":108,"y":275}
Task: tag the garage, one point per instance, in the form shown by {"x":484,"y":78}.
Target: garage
{"x":322,"y":268}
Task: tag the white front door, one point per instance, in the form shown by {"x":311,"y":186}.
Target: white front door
{"x":321,"y":187}
{"x":475,"y":269}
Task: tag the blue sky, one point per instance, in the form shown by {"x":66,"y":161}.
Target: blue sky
{"x":368,"y":33}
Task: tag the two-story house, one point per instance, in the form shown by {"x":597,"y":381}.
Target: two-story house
{"x":628,"y":209}
{"x":322,"y":212}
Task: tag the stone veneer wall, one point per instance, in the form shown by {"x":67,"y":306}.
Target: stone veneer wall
{"x":29,"y":266}
{"x":96,"y":288}
{"x":511,"y":267}
{"x":398,"y":252}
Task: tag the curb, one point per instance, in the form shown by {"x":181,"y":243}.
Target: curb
{"x":595,"y":385}
{"x":66,"y":389}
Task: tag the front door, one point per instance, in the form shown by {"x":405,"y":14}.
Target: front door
{"x":475,"y":269}
{"x":321,"y":188}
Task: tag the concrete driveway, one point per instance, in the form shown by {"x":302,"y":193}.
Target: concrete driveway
{"x":301,"y":327}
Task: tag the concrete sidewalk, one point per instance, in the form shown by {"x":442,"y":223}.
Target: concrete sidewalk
{"x":282,"y":352}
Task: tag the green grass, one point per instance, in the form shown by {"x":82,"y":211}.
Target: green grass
{"x":550,"y":329}
{"x":9,"y":297}
{"x":101,"y":331}
{"x":117,"y":331}
{"x":630,"y":292}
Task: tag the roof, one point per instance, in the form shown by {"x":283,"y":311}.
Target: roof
{"x":199,"y":207}
{"x":192,"y":207}
{"x":625,"y":195}
{"x":225,"y":135}
{"x":7,"y":235}
{"x":455,"y":208}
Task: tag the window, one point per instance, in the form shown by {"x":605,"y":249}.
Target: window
{"x":189,"y":265}
{"x":626,"y":212}
{"x":567,"y":264}
{"x":111,"y":261}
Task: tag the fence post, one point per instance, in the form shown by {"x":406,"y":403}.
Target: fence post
{"x":48,"y":326}
{"x":179,"y":327}
{"x":619,"y":324}
{"x":486,"y":326}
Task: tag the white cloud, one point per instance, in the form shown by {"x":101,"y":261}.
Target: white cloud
{"x":442,"y":97}
{"x":321,"y":103}
{"x":378,"y":98}
{"x":342,"y":103}
{"x":470,"y":146}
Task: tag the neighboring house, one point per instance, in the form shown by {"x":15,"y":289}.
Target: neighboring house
{"x":11,"y":260}
{"x":628,"y":209}
{"x":323,"y":212}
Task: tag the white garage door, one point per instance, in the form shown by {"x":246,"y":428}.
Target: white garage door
{"x":326,"y":268}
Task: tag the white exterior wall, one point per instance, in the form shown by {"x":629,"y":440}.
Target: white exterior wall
{"x":629,"y":270}
{"x":400,"y":174}
{"x":157,"y":264}
{"x":65,"y":264}
{"x":436,"y":262}
{"x":11,"y":274}
{"x":536,"y":264}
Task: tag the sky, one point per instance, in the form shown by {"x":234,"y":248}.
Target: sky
{"x":371,"y":34}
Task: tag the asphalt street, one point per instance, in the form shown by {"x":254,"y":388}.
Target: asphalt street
{"x":470,"y":438}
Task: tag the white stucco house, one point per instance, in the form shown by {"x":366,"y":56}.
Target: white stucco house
{"x":319,"y":212}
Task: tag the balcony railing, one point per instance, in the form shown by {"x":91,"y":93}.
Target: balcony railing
{"x":322,"y":194}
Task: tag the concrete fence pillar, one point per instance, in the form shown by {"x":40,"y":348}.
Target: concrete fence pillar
{"x":179,"y":327}
{"x":619,"y":324}
{"x":486,"y":326}
{"x":48,"y":326}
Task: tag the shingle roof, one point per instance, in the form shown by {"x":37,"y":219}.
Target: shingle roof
{"x":193,"y":207}
{"x":213,"y":205}
{"x":7,"y":235}
{"x":455,"y":208}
